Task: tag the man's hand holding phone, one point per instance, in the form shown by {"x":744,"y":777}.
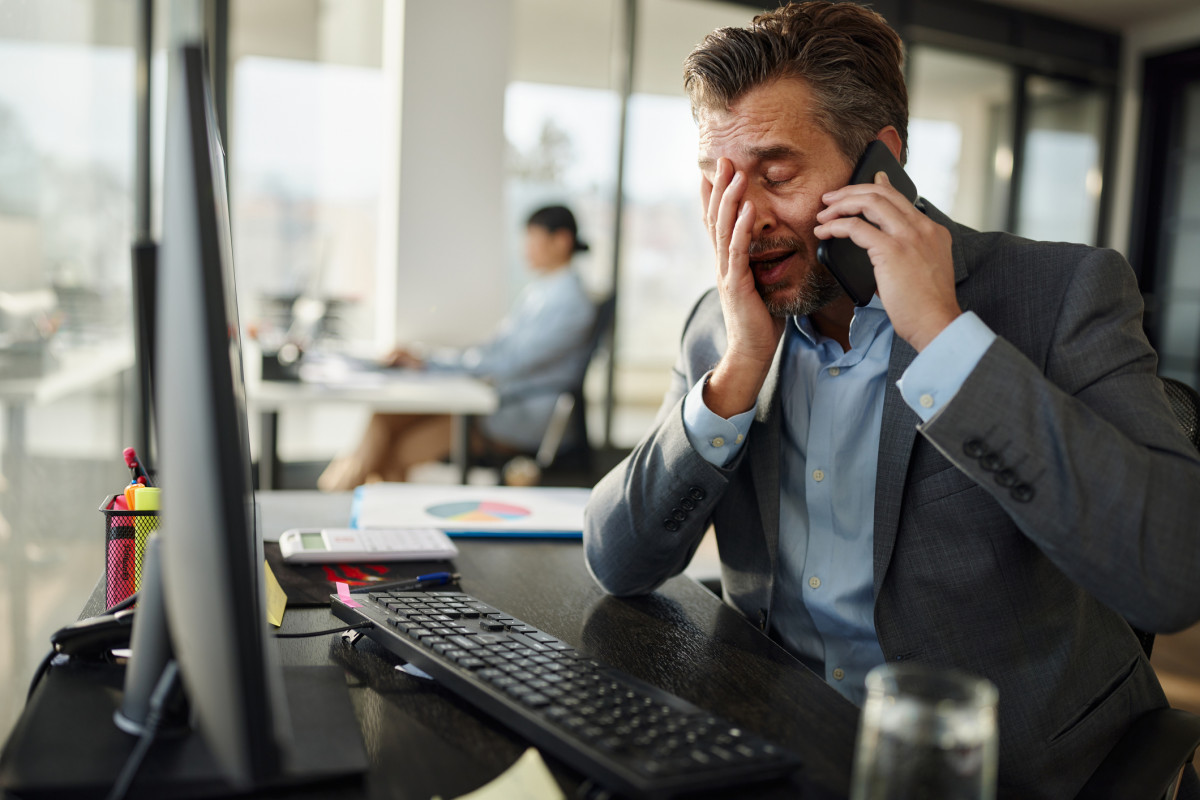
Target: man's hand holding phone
{"x":909,"y":254}
{"x":753,"y":333}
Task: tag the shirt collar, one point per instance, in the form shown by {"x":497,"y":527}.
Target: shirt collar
{"x":863,"y":328}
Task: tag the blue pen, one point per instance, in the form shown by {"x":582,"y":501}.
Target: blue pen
{"x":419,"y":582}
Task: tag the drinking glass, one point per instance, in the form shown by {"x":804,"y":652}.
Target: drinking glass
{"x":926,"y":734}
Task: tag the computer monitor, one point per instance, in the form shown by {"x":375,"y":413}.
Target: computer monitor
{"x":212,"y":561}
{"x":211,"y":568}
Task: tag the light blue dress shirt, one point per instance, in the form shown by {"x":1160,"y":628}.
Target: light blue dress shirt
{"x":823,"y":607}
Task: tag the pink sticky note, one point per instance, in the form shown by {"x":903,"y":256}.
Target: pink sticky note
{"x":344,"y":595}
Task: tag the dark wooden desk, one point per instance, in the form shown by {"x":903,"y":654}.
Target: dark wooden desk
{"x":423,"y":741}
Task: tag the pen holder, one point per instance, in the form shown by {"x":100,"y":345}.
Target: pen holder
{"x":125,"y":537}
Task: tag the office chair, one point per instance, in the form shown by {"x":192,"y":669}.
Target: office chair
{"x":568,"y":420}
{"x":570,"y":411}
{"x":1150,"y":758}
{"x":1185,"y":402}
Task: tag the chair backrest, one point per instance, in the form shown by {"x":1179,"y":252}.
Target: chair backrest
{"x":1185,"y":402}
{"x":568,"y":422}
{"x":606,"y":311}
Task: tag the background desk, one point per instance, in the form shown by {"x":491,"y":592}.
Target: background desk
{"x":423,"y":741}
{"x":460,"y":396}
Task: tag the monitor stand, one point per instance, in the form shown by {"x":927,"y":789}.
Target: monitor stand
{"x":66,"y":745}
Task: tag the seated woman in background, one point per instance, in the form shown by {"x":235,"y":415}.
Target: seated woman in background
{"x":539,"y":351}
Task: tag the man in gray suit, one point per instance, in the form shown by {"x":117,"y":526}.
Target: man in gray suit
{"x":977,"y":470}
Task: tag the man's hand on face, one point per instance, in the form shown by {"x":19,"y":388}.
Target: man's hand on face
{"x":914,"y":266}
{"x":752,"y":331}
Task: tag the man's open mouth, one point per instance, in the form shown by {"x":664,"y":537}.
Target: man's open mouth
{"x":769,"y":267}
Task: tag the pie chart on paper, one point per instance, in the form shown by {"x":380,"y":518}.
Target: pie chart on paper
{"x":477,"y":511}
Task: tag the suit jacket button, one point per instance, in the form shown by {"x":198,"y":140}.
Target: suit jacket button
{"x":974,"y":448}
{"x":1006,"y":477}
{"x":1022,"y":492}
{"x":687,"y":503}
{"x":991,"y":462}
{"x":678,"y":514}
{"x":696,"y":493}
{"x":671,"y":525}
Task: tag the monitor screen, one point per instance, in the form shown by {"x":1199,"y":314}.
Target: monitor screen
{"x":211,"y":562}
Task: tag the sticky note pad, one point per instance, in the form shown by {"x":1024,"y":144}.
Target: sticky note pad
{"x":276,"y":599}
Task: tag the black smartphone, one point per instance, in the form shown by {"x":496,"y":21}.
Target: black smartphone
{"x":848,"y":262}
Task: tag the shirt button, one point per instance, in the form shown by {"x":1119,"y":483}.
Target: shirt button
{"x":839,"y":673}
{"x":739,"y":438}
{"x":835,"y":371}
{"x":818,"y":475}
{"x":926,"y":401}
{"x":814,"y":582}
{"x":718,"y":442}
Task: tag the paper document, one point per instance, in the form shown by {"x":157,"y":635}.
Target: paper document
{"x":471,"y":510}
{"x":527,"y":779}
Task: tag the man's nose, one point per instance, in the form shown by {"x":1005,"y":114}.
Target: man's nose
{"x":764,"y":209}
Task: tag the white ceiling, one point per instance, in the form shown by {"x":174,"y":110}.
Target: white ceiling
{"x":1114,"y":15}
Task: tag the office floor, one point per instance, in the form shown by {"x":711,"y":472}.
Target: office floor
{"x":56,"y":543}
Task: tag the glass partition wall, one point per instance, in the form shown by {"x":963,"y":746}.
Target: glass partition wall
{"x":67,"y":119}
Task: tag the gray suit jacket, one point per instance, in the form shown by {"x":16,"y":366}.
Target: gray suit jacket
{"x":1050,"y":501}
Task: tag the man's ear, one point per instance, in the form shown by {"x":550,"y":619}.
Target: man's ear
{"x":891,"y":137}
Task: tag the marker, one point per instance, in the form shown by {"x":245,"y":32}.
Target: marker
{"x":130,"y":492}
{"x":146,"y":498}
{"x":120,"y":560}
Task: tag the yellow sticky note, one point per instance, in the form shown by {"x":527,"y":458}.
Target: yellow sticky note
{"x":276,"y":599}
{"x":527,"y":779}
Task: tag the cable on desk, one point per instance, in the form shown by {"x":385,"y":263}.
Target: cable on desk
{"x":163,"y":690}
{"x":358,"y":626}
{"x":40,"y":673}
{"x":44,"y":665}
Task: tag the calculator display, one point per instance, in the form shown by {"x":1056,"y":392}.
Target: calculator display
{"x":312,"y":541}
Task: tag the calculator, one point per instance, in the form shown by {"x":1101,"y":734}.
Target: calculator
{"x":324,"y":545}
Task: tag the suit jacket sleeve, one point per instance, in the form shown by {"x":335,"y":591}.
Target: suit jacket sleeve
{"x":646,"y":518}
{"x":1085,"y":454}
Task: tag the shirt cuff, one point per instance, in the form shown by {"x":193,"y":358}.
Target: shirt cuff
{"x":715,"y":438}
{"x":939,"y":371}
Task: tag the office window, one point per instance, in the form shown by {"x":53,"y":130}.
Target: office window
{"x":562,"y":148}
{"x":66,"y":209}
{"x":305,"y":116}
{"x":960,"y":152}
{"x":66,"y":162}
{"x":666,"y":258}
{"x":1063,"y":164}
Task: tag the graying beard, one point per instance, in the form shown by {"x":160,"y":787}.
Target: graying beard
{"x":819,"y":289}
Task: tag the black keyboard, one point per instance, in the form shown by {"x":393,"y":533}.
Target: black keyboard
{"x":622,"y":732}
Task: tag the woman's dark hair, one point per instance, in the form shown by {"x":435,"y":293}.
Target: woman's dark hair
{"x":558,"y":218}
